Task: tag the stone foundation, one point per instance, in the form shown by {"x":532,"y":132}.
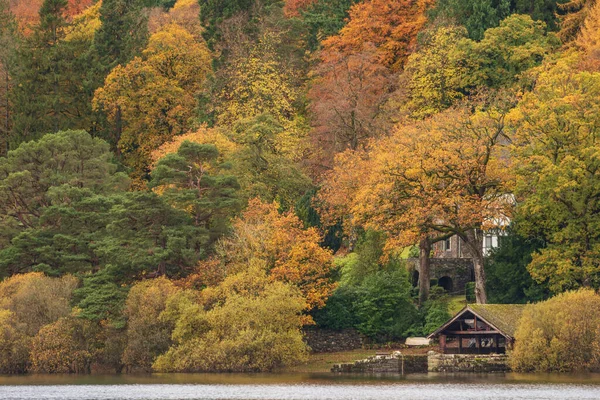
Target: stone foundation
{"x":328,"y":341}
{"x":393,"y":364}
{"x":467,"y":362}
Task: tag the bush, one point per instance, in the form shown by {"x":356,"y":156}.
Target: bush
{"x":37,"y":300}
{"x":253,"y":324}
{"x":14,"y":345}
{"x":66,"y":346}
{"x":384,"y":306}
{"x":148,"y":336}
{"x":338,"y":313}
{"x":561,"y":334}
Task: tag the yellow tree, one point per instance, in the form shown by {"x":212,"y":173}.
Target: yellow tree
{"x":145,"y":110}
{"x":557,"y":165}
{"x":258,"y":84}
{"x":589,"y":37}
{"x":289,"y":252}
{"x":177,"y":55}
{"x":151,"y":99}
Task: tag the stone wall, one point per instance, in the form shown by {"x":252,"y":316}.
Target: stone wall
{"x":393,"y":364}
{"x":467,"y":362}
{"x":329,"y":341}
{"x":459,"y":270}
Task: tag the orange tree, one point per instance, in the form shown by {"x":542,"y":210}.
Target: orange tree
{"x":429,"y":180}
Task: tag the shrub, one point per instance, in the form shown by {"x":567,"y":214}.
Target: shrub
{"x":384,"y":306}
{"x":253,"y":324}
{"x":148,"y":336}
{"x":37,"y":300}
{"x":338,"y":313}
{"x":66,"y":346}
{"x":560,"y":334}
{"x":14,"y":345}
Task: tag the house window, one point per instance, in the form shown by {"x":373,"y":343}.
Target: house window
{"x":448,"y":244}
{"x":488,"y":242}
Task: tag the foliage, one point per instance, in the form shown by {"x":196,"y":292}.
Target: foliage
{"x":14,"y":345}
{"x":322,"y":18}
{"x":253,"y":324}
{"x":384,"y":306}
{"x":49,"y":95}
{"x":258,"y":84}
{"x":148,"y":336}
{"x":476,"y":16}
{"x":391,"y":26}
{"x":66,"y":159}
{"x":36,"y":300}
{"x":289,"y":253}
{"x":559,"y":335}
{"x":429,"y":179}
{"x":556,"y":162}
{"x":347,"y":95}
{"x":191,"y":181}
{"x":267,"y":162}
{"x":451,"y":67}
{"x":100,"y":298}
{"x":339,"y":312}
{"x":589,"y":39}
{"x":66,"y":346}
{"x":367,"y":259}
{"x":508,"y":280}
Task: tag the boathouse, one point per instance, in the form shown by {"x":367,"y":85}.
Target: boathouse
{"x":480,"y":329}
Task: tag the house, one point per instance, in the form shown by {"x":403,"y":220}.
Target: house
{"x":480,"y":329}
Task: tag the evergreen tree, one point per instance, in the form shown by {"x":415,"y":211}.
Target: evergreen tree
{"x":190,"y":183}
{"x":122,"y":36}
{"x":8,"y":38}
{"x":41,"y":75}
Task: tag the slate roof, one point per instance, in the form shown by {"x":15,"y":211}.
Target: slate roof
{"x":503,"y":317}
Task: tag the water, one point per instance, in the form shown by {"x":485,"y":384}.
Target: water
{"x":300,"y":387}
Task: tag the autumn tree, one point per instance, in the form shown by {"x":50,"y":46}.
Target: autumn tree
{"x":151,"y":99}
{"x":347,"y":97}
{"x":431,"y":180}
{"x":66,"y":346}
{"x":391,"y":26}
{"x":14,"y":345}
{"x":557,"y":173}
{"x":258,"y":84}
{"x":450,"y":66}
{"x":267,"y":163}
{"x":36,"y":300}
{"x":288,"y":252}
{"x":589,"y":39}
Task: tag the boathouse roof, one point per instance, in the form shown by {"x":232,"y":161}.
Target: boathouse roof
{"x":502,"y":317}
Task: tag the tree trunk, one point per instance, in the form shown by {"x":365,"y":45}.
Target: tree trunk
{"x":424,"y":270}
{"x":474,"y":239}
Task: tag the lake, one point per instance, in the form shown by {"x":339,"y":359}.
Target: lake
{"x":300,"y":387}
